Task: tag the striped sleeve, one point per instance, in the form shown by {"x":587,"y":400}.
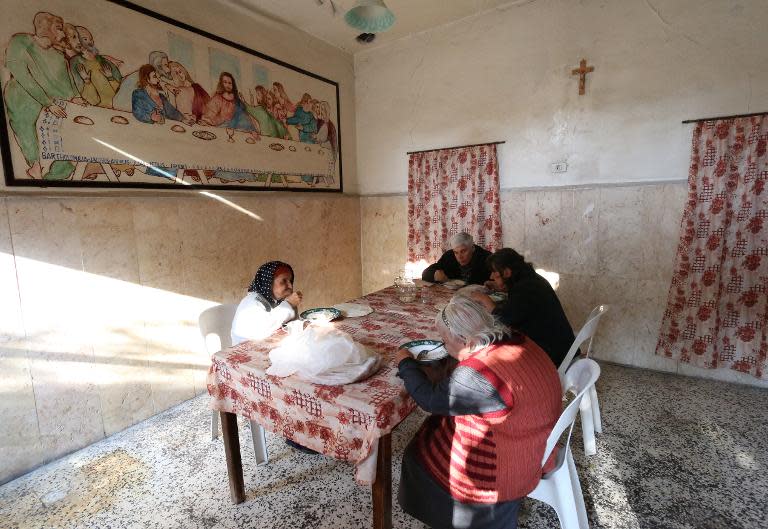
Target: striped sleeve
{"x":465,"y":392}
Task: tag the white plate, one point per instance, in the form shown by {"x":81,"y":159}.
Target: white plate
{"x":353,"y":310}
{"x":454,"y":284}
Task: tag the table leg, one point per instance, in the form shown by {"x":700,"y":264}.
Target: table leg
{"x":232,"y":451}
{"x":381,"y":492}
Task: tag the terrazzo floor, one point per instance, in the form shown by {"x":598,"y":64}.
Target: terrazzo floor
{"x":676,"y":453}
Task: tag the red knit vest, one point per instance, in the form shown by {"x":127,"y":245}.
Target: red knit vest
{"x":497,"y":456}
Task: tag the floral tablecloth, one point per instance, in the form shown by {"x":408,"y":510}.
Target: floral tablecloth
{"x":344,"y":422}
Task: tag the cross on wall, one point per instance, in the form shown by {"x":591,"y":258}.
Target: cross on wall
{"x":582,"y":72}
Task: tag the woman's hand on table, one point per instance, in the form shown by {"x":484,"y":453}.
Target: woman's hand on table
{"x":401,"y":355}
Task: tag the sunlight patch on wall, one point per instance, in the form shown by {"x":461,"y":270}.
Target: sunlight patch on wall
{"x":94,"y":329}
{"x":180,"y":181}
{"x":552,"y":277}
{"x":415,"y":269}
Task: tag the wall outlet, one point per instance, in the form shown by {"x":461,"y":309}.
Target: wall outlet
{"x":558,"y":167}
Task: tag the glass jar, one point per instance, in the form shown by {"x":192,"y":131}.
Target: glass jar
{"x":426,"y":295}
{"x":406,"y":292}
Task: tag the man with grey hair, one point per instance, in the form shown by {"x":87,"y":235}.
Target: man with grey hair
{"x":465,"y":260}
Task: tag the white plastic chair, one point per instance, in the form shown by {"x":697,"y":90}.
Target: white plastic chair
{"x":215,"y":325}
{"x":560,"y":488}
{"x":591,"y":421}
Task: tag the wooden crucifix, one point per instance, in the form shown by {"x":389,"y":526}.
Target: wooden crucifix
{"x":582,"y":72}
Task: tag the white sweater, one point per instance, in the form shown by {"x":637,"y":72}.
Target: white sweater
{"x":254,"y":320}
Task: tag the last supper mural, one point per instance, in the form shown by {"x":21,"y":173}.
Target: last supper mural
{"x":100,"y":93}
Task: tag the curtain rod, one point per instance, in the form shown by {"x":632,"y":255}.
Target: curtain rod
{"x":726,"y":117}
{"x":458,"y":147}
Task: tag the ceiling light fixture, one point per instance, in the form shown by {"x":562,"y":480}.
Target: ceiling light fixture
{"x":370,"y":16}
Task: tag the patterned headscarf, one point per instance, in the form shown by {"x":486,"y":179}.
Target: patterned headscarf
{"x":265,"y":276}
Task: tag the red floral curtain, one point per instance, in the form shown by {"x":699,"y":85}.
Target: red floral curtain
{"x":450,"y":191}
{"x":716,"y":310}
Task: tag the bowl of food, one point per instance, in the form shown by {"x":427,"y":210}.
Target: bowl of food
{"x":320,"y":314}
{"x":426,"y":351}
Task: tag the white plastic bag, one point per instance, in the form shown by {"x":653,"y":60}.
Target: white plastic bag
{"x":323,"y":355}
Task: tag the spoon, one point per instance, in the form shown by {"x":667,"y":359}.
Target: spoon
{"x":422,"y":354}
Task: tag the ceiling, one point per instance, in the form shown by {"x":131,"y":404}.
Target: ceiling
{"x":317,"y":17}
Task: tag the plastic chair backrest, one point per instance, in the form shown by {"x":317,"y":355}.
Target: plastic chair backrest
{"x":578,"y":379}
{"x":217,"y":321}
{"x":597,"y":311}
{"x":586,"y":333}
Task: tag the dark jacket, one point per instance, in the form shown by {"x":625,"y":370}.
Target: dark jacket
{"x":532,"y":308}
{"x":480,"y":273}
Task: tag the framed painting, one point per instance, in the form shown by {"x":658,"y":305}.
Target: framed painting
{"x":147,"y":101}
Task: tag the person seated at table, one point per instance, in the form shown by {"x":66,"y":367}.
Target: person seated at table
{"x":465,"y":260}
{"x":480,"y":452}
{"x":270,"y":302}
{"x":531,"y":306}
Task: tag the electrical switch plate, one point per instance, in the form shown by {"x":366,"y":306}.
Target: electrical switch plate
{"x":558,"y":167}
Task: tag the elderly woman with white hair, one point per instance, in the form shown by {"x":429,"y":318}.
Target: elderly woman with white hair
{"x":465,"y":260}
{"x":480,"y":451}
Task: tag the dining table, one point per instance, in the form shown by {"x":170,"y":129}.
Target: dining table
{"x":350,"y":422}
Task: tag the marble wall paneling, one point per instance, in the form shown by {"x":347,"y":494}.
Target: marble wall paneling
{"x":11,"y":324}
{"x":578,"y":297}
{"x":20,"y":446}
{"x":303,"y":241}
{"x":325,"y":261}
{"x":512,"y":205}
{"x":158,"y":243}
{"x":621,"y":235}
{"x":241,"y":226}
{"x":108,"y":237}
{"x":213,"y":234}
{"x":258,"y":241}
{"x":224,"y":239}
{"x":51,"y":282}
{"x":20,"y":443}
{"x":616,"y":338}
{"x":48,"y":259}
{"x":578,"y":228}
{"x":159,"y":250}
{"x":346,"y":283}
{"x":650,"y":216}
{"x":111,"y":263}
{"x":68,"y":403}
{"x":384,"y":248}
{"x":543,"y":229}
